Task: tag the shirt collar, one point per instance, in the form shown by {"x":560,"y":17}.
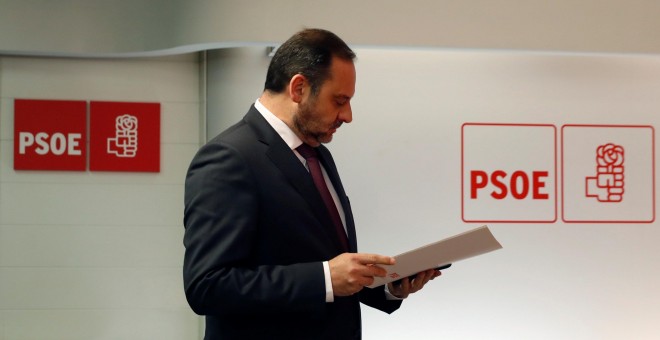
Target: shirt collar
{"x":285,"y":132}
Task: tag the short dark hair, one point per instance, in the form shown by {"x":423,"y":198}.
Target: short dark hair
{"x":309,"y":53}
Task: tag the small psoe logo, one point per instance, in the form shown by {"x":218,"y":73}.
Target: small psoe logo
{"x":394,"y":275}
{"x":125,"y":143}
{"x":607,"y":185}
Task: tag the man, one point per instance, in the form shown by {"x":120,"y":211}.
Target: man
{"x":264,"y":259}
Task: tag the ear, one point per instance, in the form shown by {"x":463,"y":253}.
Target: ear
{"x":297,"y":87}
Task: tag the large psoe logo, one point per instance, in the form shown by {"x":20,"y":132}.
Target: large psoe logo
{"x":509,"y":173}
{"x":50,"y":135}
{"x":608,"y":174}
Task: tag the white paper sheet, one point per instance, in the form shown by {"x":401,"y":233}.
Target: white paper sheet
{"x":450,"y":250}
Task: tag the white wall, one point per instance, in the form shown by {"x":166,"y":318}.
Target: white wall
{"x":97,"y":255}
{"x":233,"y":87}
{"x":400,"y":161}
{"x":153,"y":27}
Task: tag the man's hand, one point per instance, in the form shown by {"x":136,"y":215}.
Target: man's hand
{"x":350,"y":272}
{"x":409,"y":286}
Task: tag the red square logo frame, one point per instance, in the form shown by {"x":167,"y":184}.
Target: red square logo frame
{"x":514,"y":168}
{"x":608,"y":173}
{"x":124,"y":136}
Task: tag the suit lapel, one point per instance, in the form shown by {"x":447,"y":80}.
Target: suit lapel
{"x":295,"y":172}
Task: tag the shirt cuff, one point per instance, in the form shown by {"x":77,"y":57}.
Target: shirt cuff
{"x":329,"y":294}
{"x":388,"y":295}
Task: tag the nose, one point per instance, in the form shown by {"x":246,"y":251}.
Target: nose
{"x":346,"y":115}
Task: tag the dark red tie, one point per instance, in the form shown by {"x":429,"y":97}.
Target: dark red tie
{"x":311,"y":155}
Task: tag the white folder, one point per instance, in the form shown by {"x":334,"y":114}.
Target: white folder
{"x":450,"y":250}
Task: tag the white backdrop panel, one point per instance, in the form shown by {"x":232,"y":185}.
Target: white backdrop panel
{"x":400,"y":161}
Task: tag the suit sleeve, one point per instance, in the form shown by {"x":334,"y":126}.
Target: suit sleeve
{"x":220,"y":218}
{"x":375,"y":298}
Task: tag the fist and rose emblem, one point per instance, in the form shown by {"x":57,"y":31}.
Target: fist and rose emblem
{"x":125,"y":142}
{"x":608,"y":183}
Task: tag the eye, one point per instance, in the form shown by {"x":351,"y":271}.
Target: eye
{"x":341,"y":101}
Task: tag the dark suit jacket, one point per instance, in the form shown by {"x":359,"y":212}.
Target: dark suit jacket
{"x":256,"y":234}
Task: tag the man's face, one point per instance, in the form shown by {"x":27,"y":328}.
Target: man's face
{"x":319,"y":116}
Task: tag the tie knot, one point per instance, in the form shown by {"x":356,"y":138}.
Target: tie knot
{"x":307,"y":151}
